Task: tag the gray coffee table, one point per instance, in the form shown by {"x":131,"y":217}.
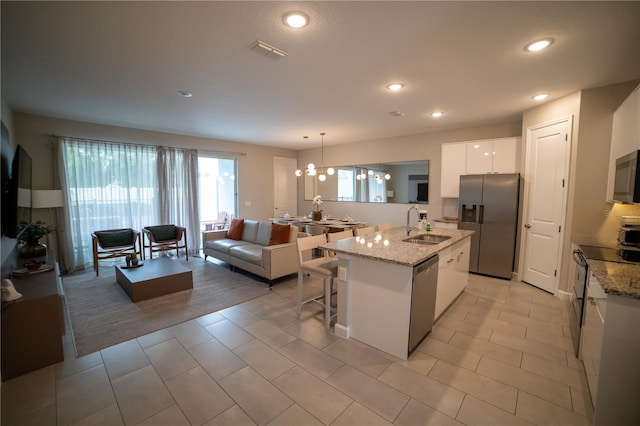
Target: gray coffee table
{"x":155,"y":278}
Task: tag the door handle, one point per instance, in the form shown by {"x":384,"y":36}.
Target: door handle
{"x":527,"y":226}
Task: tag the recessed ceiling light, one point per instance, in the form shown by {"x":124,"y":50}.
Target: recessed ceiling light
{"x":295,"y":19}
{"x":185,"y":94}
{"x":437,"y":114}
{"x":394,"y":87}
{"x":536,"y":46}
{"x":541,"y":96}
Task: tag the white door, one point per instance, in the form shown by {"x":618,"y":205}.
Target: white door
{"x":285,"y":186}
{"x":545,"y":177}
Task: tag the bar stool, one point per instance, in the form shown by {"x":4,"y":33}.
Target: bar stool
{"x":324,"y":268}
{"x":364,"y":230}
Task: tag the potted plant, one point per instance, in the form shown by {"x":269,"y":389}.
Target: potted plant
{"x":317,"y":200}
{"x":30,"y":236}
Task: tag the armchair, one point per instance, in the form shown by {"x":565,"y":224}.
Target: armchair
{"x":161,"y":238}
{"x":112,"y":243}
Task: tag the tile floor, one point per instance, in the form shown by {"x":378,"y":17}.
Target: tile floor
{"x":501,"y":355}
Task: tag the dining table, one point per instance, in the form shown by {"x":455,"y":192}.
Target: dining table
{"x":332,"y":225}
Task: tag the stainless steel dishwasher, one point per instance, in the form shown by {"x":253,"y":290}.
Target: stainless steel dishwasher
{"x":423,"y":300}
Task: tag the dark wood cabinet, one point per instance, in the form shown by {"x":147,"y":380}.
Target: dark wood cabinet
{"x":32,"y":326}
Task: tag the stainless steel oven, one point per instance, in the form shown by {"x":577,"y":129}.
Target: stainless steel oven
{"x":579,"y":292}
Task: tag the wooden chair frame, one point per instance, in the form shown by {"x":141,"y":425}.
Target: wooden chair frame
{"x":165,"y":245}
{"x":324,"y":268}
{"x":101,"y":253}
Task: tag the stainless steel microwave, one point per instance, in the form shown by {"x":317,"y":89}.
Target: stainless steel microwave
{"x":626,"y":187}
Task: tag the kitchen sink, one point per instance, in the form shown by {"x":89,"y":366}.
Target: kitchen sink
{"x":427,"y":239}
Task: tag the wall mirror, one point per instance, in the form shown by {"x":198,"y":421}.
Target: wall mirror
{"x":397,"y":182}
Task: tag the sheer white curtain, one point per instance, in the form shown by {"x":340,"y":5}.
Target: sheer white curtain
{"x":111,"y":185}
{"x":178,"y":191}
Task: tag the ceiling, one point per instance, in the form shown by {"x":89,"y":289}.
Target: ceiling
{"x":122,"y":64}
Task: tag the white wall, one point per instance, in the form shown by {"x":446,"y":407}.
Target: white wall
{"x":425,"y":146}
{"x":592,"y":213}
{"x":587,"y":214}
{"x":255,"y":169}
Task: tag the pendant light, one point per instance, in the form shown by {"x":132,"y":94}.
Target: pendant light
{"x":311,"y":168}
{"x":322,"y":177}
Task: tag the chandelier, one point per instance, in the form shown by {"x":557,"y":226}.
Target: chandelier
{"x":311,"y":169}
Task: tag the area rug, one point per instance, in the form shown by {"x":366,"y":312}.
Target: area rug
{"x":101,"y":314}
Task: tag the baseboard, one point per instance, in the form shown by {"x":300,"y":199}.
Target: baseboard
{"x":342,"y":331}
{"x":563,"y":295}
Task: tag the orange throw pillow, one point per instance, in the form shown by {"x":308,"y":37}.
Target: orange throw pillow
{"x":279,"y":234}
{"x":235,"y":229}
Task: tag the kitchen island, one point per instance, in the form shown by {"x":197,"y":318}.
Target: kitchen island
{"x":375,"y":283}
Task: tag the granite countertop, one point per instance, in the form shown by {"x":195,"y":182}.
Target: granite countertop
{"x":446,"y":219}
{"x":620,"y":279}
{"x":617,"y":278}
{"x":387,"y":246}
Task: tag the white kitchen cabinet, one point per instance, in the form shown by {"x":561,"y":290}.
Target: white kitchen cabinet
{"x":625,"y":134}
{"x":453,"y":165}
{"x":592,"y":333}
{"x":619,"y":373}
{"x":453,"y":274}
{"x":505,"y":155}
{"x":476,"y":157}
{"x":479,"y":157}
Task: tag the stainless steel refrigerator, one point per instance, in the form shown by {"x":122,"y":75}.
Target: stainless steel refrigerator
{"x":488,"y":205}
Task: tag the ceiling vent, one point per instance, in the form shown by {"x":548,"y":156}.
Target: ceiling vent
{"x":397,"y":114}
{"x":265,"y":49}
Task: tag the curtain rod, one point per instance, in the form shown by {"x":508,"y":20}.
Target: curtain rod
{"x":141,"y":144}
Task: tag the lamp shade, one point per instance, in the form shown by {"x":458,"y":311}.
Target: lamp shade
{"x":46,"y":199}
{"x":24,"y":197}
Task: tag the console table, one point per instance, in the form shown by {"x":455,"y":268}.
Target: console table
{"x":32,"y":326}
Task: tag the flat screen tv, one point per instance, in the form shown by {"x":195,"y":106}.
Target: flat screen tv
{"x":16,"y":189}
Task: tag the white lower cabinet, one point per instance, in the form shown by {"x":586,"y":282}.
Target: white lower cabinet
{"x":610,"y":352}
{"x":592,"y":332}
{"x":453,"y":274}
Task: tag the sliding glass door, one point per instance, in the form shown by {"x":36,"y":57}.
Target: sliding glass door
{"x":218,"y":190}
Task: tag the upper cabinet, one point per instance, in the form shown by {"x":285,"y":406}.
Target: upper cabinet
{"x":479,"y":157}
{"x":505,"y":155}
{"x":476,"y":157}
{"x":625,"y":135}
{"x":452,"y":166}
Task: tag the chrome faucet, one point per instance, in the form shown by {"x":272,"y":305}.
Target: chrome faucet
{"x":408,"y":230}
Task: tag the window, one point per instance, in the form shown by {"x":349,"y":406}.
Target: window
{"x":346,"y":183}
